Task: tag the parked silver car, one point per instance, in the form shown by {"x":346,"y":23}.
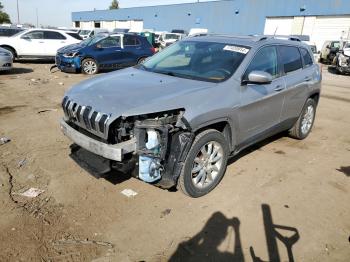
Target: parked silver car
{"x":184,"y":111}
{"x":6,"y":59}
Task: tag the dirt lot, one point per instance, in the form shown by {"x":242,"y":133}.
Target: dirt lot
{"x":281,"y":200}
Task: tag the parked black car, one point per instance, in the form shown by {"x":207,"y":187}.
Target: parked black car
{"x":9,"y":31}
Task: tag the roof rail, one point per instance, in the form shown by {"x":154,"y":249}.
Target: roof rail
{"x":285,"y":37}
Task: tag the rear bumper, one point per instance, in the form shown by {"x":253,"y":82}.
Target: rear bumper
{"x":112,"y":152}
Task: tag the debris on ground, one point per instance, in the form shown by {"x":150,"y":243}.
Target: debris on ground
{"x":4,"y":140}
{"x":129,"y":192}
{"x":61,"y":83}
{"x":165,"y":212}
{"x":31,"y":192}
{"x":22,"y":162}
{"x":47,"y":110}
{"x":86,"y":242}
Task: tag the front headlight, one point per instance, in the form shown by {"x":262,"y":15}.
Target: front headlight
{"x":70,"y":55}
{"x":342,"y":60}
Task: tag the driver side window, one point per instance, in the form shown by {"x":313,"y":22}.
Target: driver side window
{"x":265,"y":60}
{"x":110,"y":42}
{"x":35,"y":35}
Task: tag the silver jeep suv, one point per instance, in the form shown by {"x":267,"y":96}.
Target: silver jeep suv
{"x":176,"y":118}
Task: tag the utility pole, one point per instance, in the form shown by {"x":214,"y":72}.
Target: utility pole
{"x":37,"y":18}
{"x":18,"y":21}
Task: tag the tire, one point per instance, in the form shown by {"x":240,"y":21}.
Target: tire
{"x":304,"y":124}
{"x":13,"y":51}
{"x":195,"y":159}
{"x":89,"y":66}
{"x":141,"y":60}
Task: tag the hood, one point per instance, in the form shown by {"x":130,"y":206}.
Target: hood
{"x":133,"y":91}
{"x":70,"y":48}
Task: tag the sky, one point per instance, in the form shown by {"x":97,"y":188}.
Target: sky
{"x":58,"y":12}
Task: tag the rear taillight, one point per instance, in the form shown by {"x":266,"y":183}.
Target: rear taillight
{"x":153,"y":50}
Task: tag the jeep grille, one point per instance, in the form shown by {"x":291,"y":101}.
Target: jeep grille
{"x":86,"y":117}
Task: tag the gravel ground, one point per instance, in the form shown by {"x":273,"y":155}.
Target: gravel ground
{"x":280,"y":200}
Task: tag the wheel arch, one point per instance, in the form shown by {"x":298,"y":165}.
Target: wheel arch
{"x":10,"y":47}
{"x":223,"y":125}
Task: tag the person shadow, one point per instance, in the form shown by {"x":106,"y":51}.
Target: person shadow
{"x":204,"y":246}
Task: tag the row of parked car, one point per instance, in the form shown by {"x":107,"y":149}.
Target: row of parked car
{"x":90,"y":51}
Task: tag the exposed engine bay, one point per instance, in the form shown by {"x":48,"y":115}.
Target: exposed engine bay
{"x":163,"y":140}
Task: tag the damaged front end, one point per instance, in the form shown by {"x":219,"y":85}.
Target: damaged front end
{"x":343,"y":62}
{"x":162,"y":143}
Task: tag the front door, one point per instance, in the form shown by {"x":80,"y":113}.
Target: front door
{"x":108,"y":52}
{"x":261,"y":104}
{"x":32,"y":44}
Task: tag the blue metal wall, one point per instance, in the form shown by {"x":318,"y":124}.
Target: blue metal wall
{"x":232,"y":17}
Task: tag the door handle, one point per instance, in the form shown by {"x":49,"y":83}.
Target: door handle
{"x":308,"y":78}
{"x":41,"y":42}
{"x":279,"y":88}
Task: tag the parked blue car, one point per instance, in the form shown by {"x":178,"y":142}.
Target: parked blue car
{"x":104,"y":52}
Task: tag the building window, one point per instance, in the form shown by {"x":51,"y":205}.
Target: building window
{"x":97,"y":24}
{"x":77,"y":24}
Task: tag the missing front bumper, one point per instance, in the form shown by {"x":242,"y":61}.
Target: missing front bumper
{"x":113,"y":152}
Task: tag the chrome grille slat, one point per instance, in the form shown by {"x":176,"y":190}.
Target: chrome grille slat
{"x":86,"y":117}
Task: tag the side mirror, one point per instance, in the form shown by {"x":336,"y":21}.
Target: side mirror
{"x":327,"y":46}
{"x":258,"y":77}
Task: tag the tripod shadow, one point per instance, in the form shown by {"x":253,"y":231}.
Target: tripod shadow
{"x":272,"y":234}
{"x":204,"y":245}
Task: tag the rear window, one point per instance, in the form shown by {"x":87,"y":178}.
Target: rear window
{"x":75,"y":35}
{"x":53,"y":35}
{"x":306,"y":57}
{"x":290,"y":58}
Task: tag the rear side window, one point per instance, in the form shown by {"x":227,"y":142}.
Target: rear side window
{"x":130,"y":40}
{"x":53,"y":35}
{"x":306,"y":57}
{"x":265,"y":60}
{"x":290,"y":58}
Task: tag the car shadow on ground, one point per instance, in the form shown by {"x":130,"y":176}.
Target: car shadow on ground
{"x":35,"y":61}
{"x":17,"y":71}
{"x":256,"y":147}
{"x":204,"y":246}
{"x":96,"y":166}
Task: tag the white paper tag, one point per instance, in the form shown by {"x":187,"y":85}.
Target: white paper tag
{"x":237,"y":49}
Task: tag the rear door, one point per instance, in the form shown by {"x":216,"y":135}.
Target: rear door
{"x":261,"y":104}
{"x":297,"y":80}
{"x":53,"y":42}
{"x":32,"y":44}
{"x":133,"y":50}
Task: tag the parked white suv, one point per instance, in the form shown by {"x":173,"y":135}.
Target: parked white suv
{"x":38,"y":43}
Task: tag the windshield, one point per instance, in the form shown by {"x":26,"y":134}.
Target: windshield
{"x":19,"y":33}
{"x":91,"y":40}
{"x":84,"y":32}
{"x":205,"y":61}
{"x":171,"y":36}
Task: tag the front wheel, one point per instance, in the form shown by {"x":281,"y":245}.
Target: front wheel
{"x":205,"y":164}
{"x":303,"y":126}
{"x":89,"y":66}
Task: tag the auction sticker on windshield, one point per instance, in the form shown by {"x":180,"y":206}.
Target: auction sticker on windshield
{"x":237,"y":49}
